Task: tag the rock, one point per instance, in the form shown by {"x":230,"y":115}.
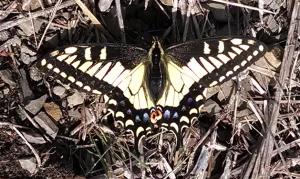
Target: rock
{"x":33,"y":137}
{"x":7,"y":78}
{"x":29,"y":164}
{"x":53,"y":110}
{"x":36,"y":105}
{"x":27,"y":55}
{"x":211,"y":107}
{"x":104,"y":5}
{"x":27,"y":93}
{"x":47,"y":124}
{"x":35,"y":74}
{"x":59,"y":91}
{"x":75,"y":99}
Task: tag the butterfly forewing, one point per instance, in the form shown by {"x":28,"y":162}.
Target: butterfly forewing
{"x":213,"y":61}
{"x":93,"y":68}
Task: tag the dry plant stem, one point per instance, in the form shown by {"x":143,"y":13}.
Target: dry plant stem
{"x":51,"y":19}
{"x":284,"y":74}
{"x":243,"y":6}
{"x":174,"y":15}
{"x":120,"y":20}
{"x":187,"y":23}
{"x":21,"y":19}
{"x":38,"y":159}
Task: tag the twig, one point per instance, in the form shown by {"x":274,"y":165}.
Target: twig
{"x":120,"y":20}
{"x":51,"y":19}
{"x":21,"y":19}
{"x":38,"y":159}
{"x":244,"y":6}
{"x":288,"y":57}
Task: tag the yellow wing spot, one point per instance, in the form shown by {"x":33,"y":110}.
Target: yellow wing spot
{"x":199,"y":97}
{"x":175,"y":126}
{"x":49,"y":66}
{"x":94,"y":69}
{"x":112,"y":101}
{"x":223,"y":58}
{"x":255,"y":52}
{"x":88,"y":88}
{"x":120,"y":114}
{"x":261,"y":48}
{"x":114,"y":73}
{"x":87,"y":53}
{"x":120,"y":78}
{"x":174,"y":76}
{"x":62,"y":57}
{"x":79,"y":83}
{"x":215,"y":62}
{"x":187,"y":80}
{"x":142,"y":97}
{"x":56,"y":70}
{"x":71,"y":78}
{"x":70,"y":50}
{"x":209,"y":67}
{"x":221,"y":47}
{"x":197,"y":68}
{"x":193,"y":111}
{"x":170,"y":97}
{"x":63,"y":74}
{"x":251,"y":42}
{"x":103,"y":71}
{"x":189,"y":73}
{"x":136,"y":102}
{"x":206,"y":49}
{"x":71,"y":59}
{"x":85,"y":66}
{"x":249,"y":58}
{"x":244,"y":62}
{"x":237,"y":50}
{"x":236,"y":67}
{"x":103,"y":54}
{"x":229,"y":73}
{"x":129,"y":122}
{"x":138,"y":76}
{"x":222,"y":78}
{"x":232,"y":55}
{"x":76,"y":64}
{"x":124,"y":84}
{"x":236,"y":41}
{"x":139,"y":130}
{"x":184,"y":119}
{"x":213,"y":83}
{"x":54,"y":53}
{"x":96,"y":92}
{"x":176,"y":99}
{"x":43,"y":62}
{"x":244,"y":47}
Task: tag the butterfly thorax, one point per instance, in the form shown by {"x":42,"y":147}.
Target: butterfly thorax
{"x":155,"y":75}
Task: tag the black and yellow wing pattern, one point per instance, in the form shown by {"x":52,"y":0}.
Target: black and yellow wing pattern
{"x":149,"y":91}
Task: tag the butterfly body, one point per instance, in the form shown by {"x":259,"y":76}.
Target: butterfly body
{"x":154,"y":90}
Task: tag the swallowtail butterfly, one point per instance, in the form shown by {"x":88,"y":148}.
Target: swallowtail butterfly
{"x":148,"y":91}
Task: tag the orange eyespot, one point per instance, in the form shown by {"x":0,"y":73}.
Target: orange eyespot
{"x":155,"y":114}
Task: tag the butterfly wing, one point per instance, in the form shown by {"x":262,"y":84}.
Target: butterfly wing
{"x":194,"y":66}
{"x":117,"y":71}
